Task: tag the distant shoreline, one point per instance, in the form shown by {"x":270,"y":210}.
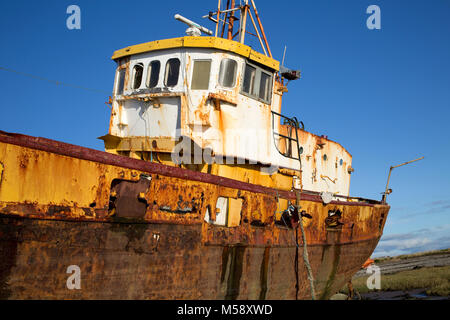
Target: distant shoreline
{"x":412,"y":255}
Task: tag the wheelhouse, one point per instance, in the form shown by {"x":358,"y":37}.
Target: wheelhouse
{"x":221,"y":98}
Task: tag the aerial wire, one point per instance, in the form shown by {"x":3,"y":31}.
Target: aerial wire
{"x":56,"y":82}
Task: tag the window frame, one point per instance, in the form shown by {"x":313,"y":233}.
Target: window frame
{"x":268,"y":93}
{"x":165,"y":72}
{"x":209,"y":77}
{"x":119,"y":71}
{"x":133,"y":75}
{"x":257,"y":85}
{"x":234,"y":76}
{"x":248,"y":94}
{"x":148,"y":78}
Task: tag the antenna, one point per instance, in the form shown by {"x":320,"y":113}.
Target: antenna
{"x":287,"y":73}
{"x":194,"y":28}
{"x":284,"y":55}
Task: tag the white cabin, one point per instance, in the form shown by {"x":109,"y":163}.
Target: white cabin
{"x":225,"y":98}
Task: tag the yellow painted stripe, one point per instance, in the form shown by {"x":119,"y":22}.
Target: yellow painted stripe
{"x":199,"y":42}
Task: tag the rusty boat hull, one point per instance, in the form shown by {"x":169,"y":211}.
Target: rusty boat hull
{"x":59,"y":207}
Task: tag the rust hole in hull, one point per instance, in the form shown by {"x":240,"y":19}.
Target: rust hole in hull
{"x":125,"y":200}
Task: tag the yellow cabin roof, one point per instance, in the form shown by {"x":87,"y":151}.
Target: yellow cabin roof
{"x":200,"y":42}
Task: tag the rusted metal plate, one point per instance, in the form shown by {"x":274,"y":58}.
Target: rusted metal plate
{"x":122,"y":261}
{"x":78,"y":152}
{"x":47,"y":216}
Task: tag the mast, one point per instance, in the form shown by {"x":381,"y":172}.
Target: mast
{"x":243,"y":22}
{"x":226,"y":18}
{"x":218,"y":17}
{"x":231,"y":21}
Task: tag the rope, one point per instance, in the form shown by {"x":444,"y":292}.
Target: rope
{"x":294,"y":238}
{"x":305,"y":244}
{"x":305,"y":250}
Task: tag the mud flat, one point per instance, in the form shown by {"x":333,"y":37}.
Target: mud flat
{"x":422,"y":276}
{"x":415,"y":294}
{"x":410,"y":262}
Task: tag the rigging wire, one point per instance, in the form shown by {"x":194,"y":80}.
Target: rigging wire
{"x":56,"y":82}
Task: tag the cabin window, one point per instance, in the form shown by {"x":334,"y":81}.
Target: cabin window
{"x":172,"y":72}
{"x":264,"y":86}
{"x":257,"y":83}
{"x":249,"y":79}
{"x":120,"y":81}
{"x":227,"y":74}
{"x":138,"y":71}
{"x":200,"y":75}
{"x":153,"y":74}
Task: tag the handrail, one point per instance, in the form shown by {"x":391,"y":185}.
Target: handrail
{"x":293,"y":123}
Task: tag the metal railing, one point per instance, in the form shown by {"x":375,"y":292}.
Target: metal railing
{"x":293,"y":124}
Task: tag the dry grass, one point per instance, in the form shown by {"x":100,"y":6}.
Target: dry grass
{"x":436,"y":281}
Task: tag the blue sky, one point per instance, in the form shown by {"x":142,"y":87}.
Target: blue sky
{"x":383,"y":94}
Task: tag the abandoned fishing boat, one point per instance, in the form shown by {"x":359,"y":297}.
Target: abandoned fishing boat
{"x":205,"y":191}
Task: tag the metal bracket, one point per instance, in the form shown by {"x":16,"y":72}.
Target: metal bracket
{"x":327,"y":177}
{"x":387,"y":190}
